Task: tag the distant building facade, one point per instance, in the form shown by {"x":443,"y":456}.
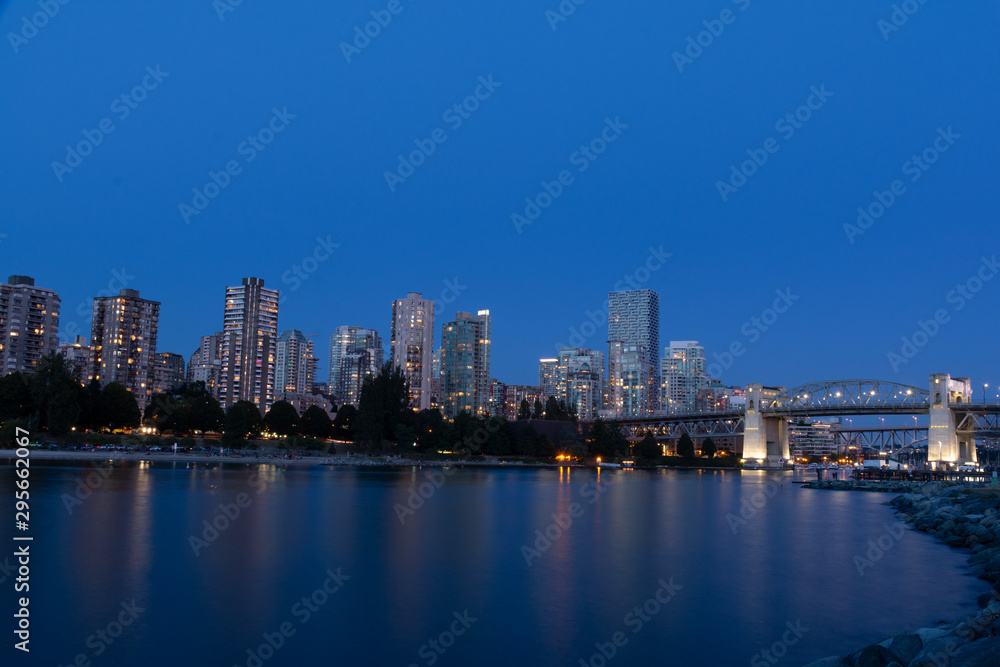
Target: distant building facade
{"x":682,"y":374}
{"x":29,"y":324}
{"x":169,"y":372}
{"x":123,"y":343}
{"x":580,"y":374}
{"x":205,"y":365}
{"x":548,"y":377}
{"x":77,"y":356}
{"x":412,"y":345}
{"x":634,"y":323}
{"x":465,"y":363}
{"x":249,"y":345}
{"x":295,"y":364}
{"x":355,"y":352}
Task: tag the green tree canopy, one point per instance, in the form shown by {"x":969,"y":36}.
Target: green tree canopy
{"x":708,"y":448}
{"x":117,"y":407}
{"x":648,"y":447}
{"x":15,"y":397}
{"x":242,"y":420}
{"x":54,"y":394}
{"x":685,"y":446}
{"x":315,"y":423}
{"x":281,"y":419}
{"x":384,"y":403}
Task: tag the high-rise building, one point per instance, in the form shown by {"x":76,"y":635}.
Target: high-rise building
{"x":29,"y":324}
{"x":123,"y":343}
{"x":515,"y":393}
{"x":77,"y":356}
{"x":249,"y":342}
{"x":465,"y":364}
{"x":355,"y":353}
{"x":295,"y":367}
{"x":634,"y":321}
{"x":581,"y":380}
{"x":168,"y":371}
{"x":495,"y":403}
{"x":682,"y":374}
{"x":548,"y":377}
{"x":205,"y":364}
{"x":412,"y":345}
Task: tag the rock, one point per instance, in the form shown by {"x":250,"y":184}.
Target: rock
{"x":875,"y":655}
{"x":905,"y":647}
{"x":984,"y":599}
{"x":936,"y":652}
{"x":982,"y":653}
{"x":833,"y":661}
{"x":927,"y":634}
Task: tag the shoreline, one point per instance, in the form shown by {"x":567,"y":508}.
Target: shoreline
{"x":962,"y":516}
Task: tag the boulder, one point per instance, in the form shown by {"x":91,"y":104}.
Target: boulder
{"x":905,"y":647}
{"x":982,"y":653}
{"x":875,"y":655}
{"x":936,"y":652}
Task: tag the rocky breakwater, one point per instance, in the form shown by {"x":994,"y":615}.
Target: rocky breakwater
{"x":962,"y":516}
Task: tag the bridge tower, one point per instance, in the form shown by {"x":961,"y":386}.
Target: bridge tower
{"x":764,"y":438}
{"x":945,"y":446}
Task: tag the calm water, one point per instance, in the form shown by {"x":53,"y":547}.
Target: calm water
{"x":401,"y":584}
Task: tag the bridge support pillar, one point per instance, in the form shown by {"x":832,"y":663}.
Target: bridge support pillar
{"x":943,"y":446}
{"x":764,"y":438}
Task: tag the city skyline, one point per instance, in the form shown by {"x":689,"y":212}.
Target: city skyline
{"x":648,"y":209}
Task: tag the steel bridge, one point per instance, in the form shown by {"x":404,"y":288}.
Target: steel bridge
{"x":954,"y":422}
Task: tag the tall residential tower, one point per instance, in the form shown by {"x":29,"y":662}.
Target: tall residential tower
{"x":633,"y":351}
{"x":249,"y":345}
{"x":465,"y":364}
{"x":123,"y":343}
{"x":412,"y":345}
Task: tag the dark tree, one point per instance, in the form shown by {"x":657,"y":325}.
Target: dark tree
{"x":242,"y":420}
{"x":54,"y":394}
{"x":429,"y":429}
{"x":524,"y":410}
{"x":500,"y":437}
{"x":685,"y":447}
{"x":90,"y":413}
{"x":537,"y":413}
{"x":648,"y":447}
{"x":344,"y":422}
{"x":606,"y":440}
{"x":15,"y":397}
{"x":281,"y":419}
{"x":553,"y":410}
{"x":315,"y":423}
{"x":708,"y":448}
{"x":527,"y":441}
{"x":544,"y":448}
{"x":205,"y":415}
{"x":117,"y":407}
{"x":384,"y":402}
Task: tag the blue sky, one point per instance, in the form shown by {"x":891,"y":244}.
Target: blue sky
{"x":224,"y":71}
